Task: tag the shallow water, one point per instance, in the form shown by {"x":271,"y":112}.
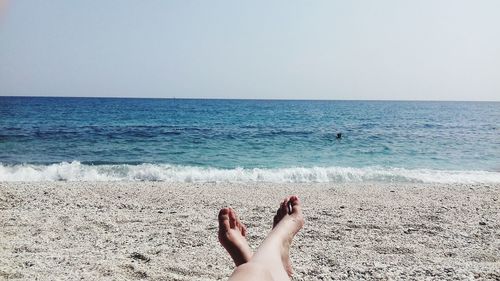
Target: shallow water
{"x":248,"y":140}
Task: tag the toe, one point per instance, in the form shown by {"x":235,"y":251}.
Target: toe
{"x":243,"y":230}
{"x":284,"y":206}
{"x":232,"y":218}
{"x":297,"y":210}
{"x":296,"y":206}
{"x":224,"y":219}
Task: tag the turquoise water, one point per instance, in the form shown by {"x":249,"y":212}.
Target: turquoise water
{"x":248,"y":140}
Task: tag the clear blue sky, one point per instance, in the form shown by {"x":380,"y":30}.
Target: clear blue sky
{"x":398,"y":49}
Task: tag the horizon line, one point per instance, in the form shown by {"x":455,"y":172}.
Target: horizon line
{"x":249,"y":99}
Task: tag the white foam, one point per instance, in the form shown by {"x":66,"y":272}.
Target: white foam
{"x":75,"y":171}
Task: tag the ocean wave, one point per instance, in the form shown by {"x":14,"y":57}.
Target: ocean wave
{"x":75,"y":171}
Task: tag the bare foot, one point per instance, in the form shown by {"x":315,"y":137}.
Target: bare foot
{"x":287,"y":222}
{"x":232,"y":236}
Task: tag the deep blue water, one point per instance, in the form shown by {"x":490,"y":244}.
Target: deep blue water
{"x":228,"y":134}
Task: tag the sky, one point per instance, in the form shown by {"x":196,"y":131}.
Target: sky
{"x":369,"y":50}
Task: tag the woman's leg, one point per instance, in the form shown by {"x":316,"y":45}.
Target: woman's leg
{"x":271,"y":261}
{"x":252,"y":271}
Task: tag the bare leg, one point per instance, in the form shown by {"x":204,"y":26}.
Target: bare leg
{"x":232,"y":236}
{"x":271,"y":261}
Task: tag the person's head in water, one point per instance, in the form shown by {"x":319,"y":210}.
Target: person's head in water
{"x":339,"y":135}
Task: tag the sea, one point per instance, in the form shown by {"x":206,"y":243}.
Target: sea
{"x":217,"y":140}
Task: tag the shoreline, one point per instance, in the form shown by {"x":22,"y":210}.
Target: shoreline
{"x":94,"y":230}
{"x":76,"y":171}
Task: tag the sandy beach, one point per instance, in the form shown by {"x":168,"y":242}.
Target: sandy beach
{"x":168,"y":231}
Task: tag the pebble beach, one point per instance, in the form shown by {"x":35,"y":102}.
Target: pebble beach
{"x":168,"y":231}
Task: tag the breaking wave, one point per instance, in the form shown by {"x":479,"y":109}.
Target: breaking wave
{"x":75,"y":171}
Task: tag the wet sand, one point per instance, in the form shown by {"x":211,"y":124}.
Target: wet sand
{"x":168,"y":231}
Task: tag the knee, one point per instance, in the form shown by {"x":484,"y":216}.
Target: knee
{"x":251,"y":271}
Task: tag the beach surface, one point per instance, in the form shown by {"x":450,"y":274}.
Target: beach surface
{"x":168,"y":231}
